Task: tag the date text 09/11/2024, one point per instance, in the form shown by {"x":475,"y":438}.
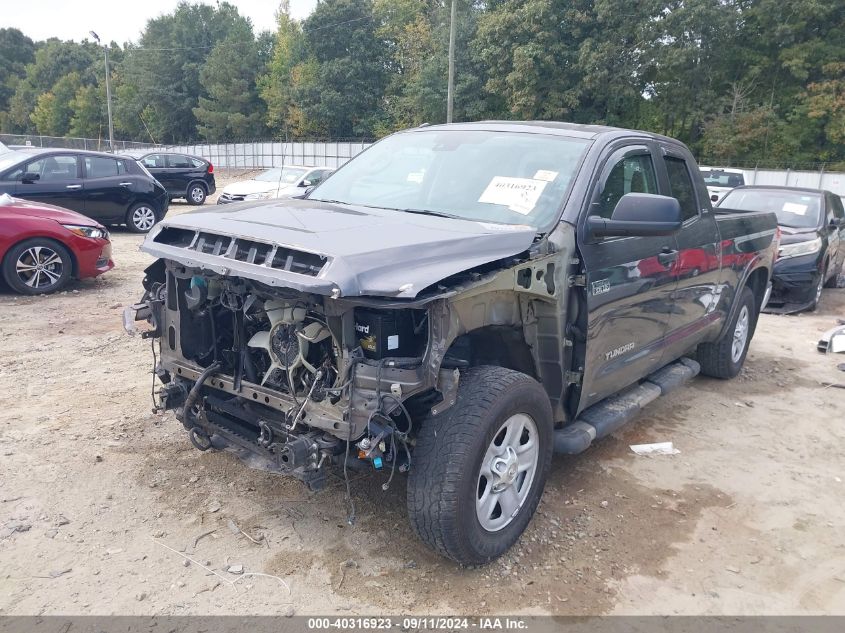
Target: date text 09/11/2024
{"x":418,"y":623}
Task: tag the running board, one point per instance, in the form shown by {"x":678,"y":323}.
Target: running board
{"x":607,"y":416}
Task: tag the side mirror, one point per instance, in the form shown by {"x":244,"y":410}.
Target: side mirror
{"x":305,"y":183}
{"x":30,"y":177}
{"x":639,"y":214}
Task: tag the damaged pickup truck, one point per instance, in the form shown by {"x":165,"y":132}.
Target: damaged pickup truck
{"x":456,"y":303}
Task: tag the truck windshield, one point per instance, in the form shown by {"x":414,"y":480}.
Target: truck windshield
{"x":795,"y":209}
{"x":498,"y":177}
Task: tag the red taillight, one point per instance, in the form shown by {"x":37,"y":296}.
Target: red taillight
{"x":210,"y":168}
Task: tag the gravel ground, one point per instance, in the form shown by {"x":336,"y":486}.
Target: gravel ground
{"x":101,"y":500}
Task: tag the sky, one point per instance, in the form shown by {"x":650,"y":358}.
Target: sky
{"x":120,"y":20}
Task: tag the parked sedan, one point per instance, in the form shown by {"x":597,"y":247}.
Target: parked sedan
{"x":188,"y":177}
{"x":42,"y":247}
{"x":111,"y":189}
{"x":279,"y":182}
{"x":812,"y":246}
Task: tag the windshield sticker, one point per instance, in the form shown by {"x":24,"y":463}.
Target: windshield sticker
{"x":792,"y":207}
{"x":416,"y":176}
{"x":545,"y":174}
{"x":518,"y":194}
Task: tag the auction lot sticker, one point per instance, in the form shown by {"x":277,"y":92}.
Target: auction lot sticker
{"x":517,"y":194}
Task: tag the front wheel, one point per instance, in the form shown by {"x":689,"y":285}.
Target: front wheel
{"x":141,"y":218}
{"x":479,"y":468}
{"x":37,"y":266}
{"x":196,"y":194}
{"x":725,"y":357}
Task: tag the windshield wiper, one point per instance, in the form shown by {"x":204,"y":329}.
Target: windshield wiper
{"x":437,"y":214}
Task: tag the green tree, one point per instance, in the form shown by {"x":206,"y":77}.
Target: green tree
{"x":54,"y":109}
{"x":232,"y":108}
{"x":89,"y":117}
{"x":340,"y":90}
{"x":277,"y":82}
{"x":16,"y":51}
{"x":164,"y":69}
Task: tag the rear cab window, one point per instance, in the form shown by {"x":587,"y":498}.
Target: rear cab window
{"x":681,"y":186}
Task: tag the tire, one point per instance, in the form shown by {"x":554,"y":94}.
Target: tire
{"x":833,"y":282}
{"x":141,"y":217}
{"x":817,"y":297}
{"x":446,"y":477}
{"x":196,"y":194}
{"x":37,"y":266}
{"x":724,"y":359}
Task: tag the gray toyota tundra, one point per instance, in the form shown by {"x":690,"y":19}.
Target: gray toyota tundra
{"x":455,"y":304}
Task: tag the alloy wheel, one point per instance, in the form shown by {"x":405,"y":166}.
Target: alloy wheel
{"x":197,"y":194}
{"x":39,"y":267}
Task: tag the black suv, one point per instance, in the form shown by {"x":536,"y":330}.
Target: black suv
{"x":188,"y":177}
{"x":111,"y":189}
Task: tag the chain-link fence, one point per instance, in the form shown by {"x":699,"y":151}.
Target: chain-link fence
{"x":71,"y":142}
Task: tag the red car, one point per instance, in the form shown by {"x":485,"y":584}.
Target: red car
{"x":42,"y":247}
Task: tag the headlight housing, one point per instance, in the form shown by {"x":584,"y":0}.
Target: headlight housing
{"x":87,"y":231}
{"x":799,"y":248}
{"x":259,"y":196}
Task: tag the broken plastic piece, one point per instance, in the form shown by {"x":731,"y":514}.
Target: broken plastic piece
{"x":833,"y":341}
{"x":658,"y":448}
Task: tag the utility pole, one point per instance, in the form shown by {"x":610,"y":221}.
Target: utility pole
{"x":450,"y":89}
{"x":108,"y":90}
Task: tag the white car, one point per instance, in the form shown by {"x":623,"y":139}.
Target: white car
{"x":279,"y":182}
{"x":720,"y":181}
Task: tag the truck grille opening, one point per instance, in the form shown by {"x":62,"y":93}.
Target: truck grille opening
{"x":243,"y":250}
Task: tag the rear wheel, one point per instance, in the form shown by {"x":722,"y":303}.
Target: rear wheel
{"x":725,"y":357}
{"x":196,"y":194}
{"x":479,"y":468}
{"x":37,"y":266}
{"x":141,"y":218}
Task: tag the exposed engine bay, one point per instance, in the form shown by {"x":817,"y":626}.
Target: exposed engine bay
{"x":271,"y":371}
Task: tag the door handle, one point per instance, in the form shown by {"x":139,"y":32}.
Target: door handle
{"x":73,"y":187}
{"x":125,"y":184}
{"x":667,"y":256}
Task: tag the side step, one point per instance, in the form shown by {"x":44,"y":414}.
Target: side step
{"x":605,"y":417}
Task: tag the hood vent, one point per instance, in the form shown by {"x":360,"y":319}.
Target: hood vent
{"x":244,"y":250}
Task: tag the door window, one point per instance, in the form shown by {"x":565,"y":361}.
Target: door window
{"x":153,"y":161}
{"x":99,"y":167}
{"x":681,"y":187}
{"x":176,"y":161}
{"x":198,"y":163}
{"x":632,"y":174}
{"x":53,"y":168}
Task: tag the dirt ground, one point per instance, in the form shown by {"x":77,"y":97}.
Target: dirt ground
{"x":101,"y":500}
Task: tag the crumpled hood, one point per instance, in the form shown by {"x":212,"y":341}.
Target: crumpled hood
{"x":246,"y":187}
{"x":372,"y":252}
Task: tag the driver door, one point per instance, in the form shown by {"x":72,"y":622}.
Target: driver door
{"x":59,"y":182}
{"x":629,"y":284}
